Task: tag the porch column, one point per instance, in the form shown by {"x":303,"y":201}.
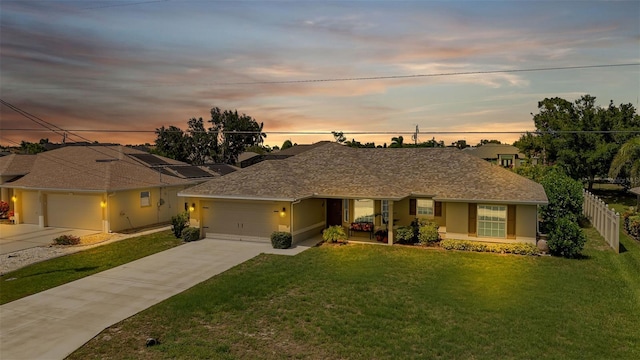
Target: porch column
{"x":390,"y":224}
{"x":43,"y":206}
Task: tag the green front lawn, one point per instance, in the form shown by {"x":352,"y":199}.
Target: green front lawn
{"x":378,"y":302}
{"x":51,"y":273}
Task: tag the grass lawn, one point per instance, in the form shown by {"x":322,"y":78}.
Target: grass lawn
{"x":378,"y":302}
{"x":51,"y":273}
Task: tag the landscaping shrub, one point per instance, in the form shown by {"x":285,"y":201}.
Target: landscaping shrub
{"x":281,"y":239}
{"x":428,"y":233}
{"x":565,"y":198}
{"x":466,"y":245}
{"x":178,"y":223}
{"x":566,"y":239}
{"x":405,"y":235}
{"x":334,"y":234}
{"x":190,"y":234}
{"x":66,"y":240}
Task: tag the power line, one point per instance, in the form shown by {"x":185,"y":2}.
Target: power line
{"x":124,"y":4}
{"x":325,"y":80}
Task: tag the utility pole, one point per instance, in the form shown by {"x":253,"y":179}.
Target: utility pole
{"x":414,"y":137}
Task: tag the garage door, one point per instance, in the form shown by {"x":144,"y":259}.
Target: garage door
{"x":74,"y":211}
{"x":239,"y":220}
{"x":30,"y":207}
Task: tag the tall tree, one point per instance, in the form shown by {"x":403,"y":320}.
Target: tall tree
{"x":397,"y":142}
{"x":235,"y":133}
{"x":203,"y":144}
{"x":173,"y":143}
{"x":286,"y":144}
{"x":579,"y":136}
{"x":628,"y":157}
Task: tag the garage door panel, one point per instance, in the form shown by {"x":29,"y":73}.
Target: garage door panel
{"x":240,"y":220}
{"x":74,"y":211}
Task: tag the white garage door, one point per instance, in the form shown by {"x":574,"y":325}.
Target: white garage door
{"x":30,"y":207}
{"x":74,"y":211}
{"x":239,"y":220}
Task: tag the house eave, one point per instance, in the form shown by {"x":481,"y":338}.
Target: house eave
{"x":237,"y":197}
{"x":493,"y":201}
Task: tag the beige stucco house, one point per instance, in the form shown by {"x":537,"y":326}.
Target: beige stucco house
{"x":102,"y":188}
{"x":334,"y":184}
{"x":505,"y":155}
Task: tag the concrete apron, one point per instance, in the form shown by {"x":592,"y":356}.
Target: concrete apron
{"x":54,"y":323}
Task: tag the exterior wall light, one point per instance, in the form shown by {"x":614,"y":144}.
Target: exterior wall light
{"x":103,"y":204}
{"x":192,"y":208}
{"x":283,"y":212}
{"x":14,"y":198}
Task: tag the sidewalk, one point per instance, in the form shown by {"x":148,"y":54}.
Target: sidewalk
{"x":54,"y":323}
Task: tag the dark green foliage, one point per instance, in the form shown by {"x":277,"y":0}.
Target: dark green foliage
{"x":405,"y":235}
{"x":566,"y":239}
{"x":66,"y":240}
{"x":466,"y":245}
{"x":428,"y":233}
{"x":281,"y":240}
{"x":238,"y":133}
{"x":631,"y":223}
{"x":565,"y":198}
{"x":190,"y":234}
{"x":178,"y":223}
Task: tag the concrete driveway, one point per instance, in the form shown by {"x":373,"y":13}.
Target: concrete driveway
{"x":24,"y":236}
{"x":54,"y":323}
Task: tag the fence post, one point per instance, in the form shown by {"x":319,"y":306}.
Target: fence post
{"x":616,"y":234}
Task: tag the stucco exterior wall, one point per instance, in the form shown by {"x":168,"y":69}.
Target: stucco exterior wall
{"x":29,"y":207}
{"x":309,"y":218}
{"x":457,"y":221}
{"x":526,"y":223}
{"x":126,"y":212}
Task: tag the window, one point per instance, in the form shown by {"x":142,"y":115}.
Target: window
{"x":492,"y":220}
{"x":425,"y":207}
{"x":363,"y":210}
{"x":345,"y":210}
{"x":384,"y":207}
{"x":145,"y":198}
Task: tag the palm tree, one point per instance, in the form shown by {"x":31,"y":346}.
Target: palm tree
{"x":629,"y":154}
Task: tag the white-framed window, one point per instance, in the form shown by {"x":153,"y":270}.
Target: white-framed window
{"x":145,"y":198}
{"x":492,"y":221}
{"x":384,"y":209}
{"x":424,"y":207}
{"x":363,"y":210}
{"x":345,"y":210}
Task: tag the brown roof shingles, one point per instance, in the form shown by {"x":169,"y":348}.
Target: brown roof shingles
{"x":333,"y":170}
{"x":14,"y":164}
{"x":93,"y":168}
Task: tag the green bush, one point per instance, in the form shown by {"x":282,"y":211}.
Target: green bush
{"x":511,"y":248}
{"x":190,"y":234}
{"x":632,"y":226}
{"x":334,"y":234}
{"x":566,"y":239}
{"x":405,"y":235}
{"x":565,"y":198}
{"x":66,"y":240}
{"x":428,"y":233}
{"x":178,"y":223}
{"x":281,"y":240}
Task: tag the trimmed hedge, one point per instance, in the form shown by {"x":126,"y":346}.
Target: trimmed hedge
{"x":428,"y":233}
{"x":190,"y":234}
{"x":466,"y":245}
{"x":178,"y":223}
{"x":631,"y":223}
{"x":566,"y":239}
{"x":281,"y":240}
{"x":66,"y":240}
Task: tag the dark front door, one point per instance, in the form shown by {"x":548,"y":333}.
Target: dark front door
{"x":334,"y":212}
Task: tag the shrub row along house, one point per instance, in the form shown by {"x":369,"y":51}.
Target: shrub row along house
{"x":332,"y":184}
{"x":102,"y":188}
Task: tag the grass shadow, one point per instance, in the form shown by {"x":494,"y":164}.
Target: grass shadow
{"x":80,"y":269}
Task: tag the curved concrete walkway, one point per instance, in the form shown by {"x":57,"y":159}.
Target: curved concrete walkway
{"x":54,"y":323}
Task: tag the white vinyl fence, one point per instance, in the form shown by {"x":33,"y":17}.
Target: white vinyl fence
{"x":603,"y":219}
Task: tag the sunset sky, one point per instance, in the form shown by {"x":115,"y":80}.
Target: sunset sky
{"x":138,"y":65}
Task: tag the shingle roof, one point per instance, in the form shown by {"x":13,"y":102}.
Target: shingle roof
{"x":635,"y":190}
{"x":94,"y":168}
{"x":333,"y":170}
{"x":491,"y":151}
{"x":14,"y":165}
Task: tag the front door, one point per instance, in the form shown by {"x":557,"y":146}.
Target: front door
{"x":334,"y":212}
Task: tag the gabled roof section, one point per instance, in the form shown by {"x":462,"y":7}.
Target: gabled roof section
{"x":95,"y":168}
{"x":334,"y":170}
{"x":15,"y":165}
{"x":491,"y":151}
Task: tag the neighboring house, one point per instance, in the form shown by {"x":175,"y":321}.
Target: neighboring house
{"x":250,"y":158}
{"x":636,"y":191}
{"x":12,"y":168}
{"x":334,"y":184}
{"x":505,"y":155}
{"x":103,"y":188}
